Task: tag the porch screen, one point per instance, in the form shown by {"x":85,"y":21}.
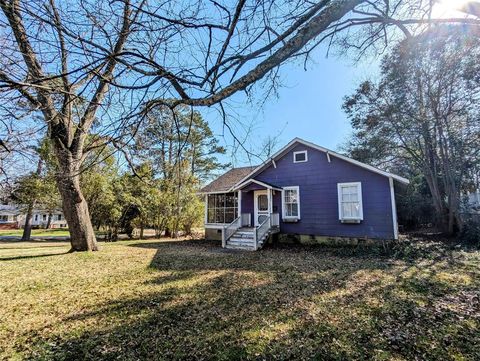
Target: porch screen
{"x":222,"y":208}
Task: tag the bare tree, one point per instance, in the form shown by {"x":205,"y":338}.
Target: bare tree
{"x":86,"y":66}
{"x":43,"y":48}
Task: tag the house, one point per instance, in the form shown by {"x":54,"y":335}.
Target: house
{"x":305,"y":191}
{"x":14,"y":216}
{"x":40,"y":219}
{"x":9,"y":216}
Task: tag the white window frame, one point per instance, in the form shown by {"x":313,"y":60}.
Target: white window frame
{"x":300,"y":152}
{"x":360,"y":201}
{"x":297,"y":188}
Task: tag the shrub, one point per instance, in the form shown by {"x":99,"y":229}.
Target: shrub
{"x":471,"y":230}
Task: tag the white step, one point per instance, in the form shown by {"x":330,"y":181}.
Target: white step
{"x":243,"y":235}
{"x":240,"y":241}
{"x":238,"y":246}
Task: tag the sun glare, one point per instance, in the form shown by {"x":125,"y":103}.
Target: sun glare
{"x":450,"y":8}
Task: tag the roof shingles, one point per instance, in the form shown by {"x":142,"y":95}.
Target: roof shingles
{"x":227,"y":180}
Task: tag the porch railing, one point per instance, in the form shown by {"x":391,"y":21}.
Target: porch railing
{"x":275,"y":219}
{"x":246,"y":219}
{"x":229,"y":230}
{"x":262,"y":230}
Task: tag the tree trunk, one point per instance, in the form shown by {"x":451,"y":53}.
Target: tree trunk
{"x":168,"y":232}
{"x":27,"y":228}
{"x":75,"y":208}
{"x":49,"y":221}
{"x":142,"y":228}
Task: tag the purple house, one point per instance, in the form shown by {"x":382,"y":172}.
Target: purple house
{"x":305,"y":191}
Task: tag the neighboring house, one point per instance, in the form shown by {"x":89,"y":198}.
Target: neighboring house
{"x":303,"y":190}
{"x":13,"y":217}
{"x":9,"y":216}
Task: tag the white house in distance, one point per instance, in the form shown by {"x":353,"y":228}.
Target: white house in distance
{"x":13,"y":217}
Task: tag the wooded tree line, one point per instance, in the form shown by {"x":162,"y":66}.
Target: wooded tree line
{"x":91,"y":71}
{"x":422,"y":118}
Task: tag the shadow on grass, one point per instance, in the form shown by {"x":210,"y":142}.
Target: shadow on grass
{"x":39,"y":246}
{"x":13,"y":258}
{"x":34,"y":240}
{"x":208,"y":303}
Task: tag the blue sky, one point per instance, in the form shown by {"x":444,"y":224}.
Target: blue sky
{"x":309,"y":105}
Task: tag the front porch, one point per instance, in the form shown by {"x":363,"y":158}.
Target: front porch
{"x":245,"y":217}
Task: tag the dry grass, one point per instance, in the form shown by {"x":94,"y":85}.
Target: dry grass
{"x":193,"y":300}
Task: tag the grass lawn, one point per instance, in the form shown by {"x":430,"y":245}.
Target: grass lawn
{"x":59,"y":232}
{"x":192,"y":300}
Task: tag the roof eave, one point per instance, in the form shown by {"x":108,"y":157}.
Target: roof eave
{"x":248,"y":181}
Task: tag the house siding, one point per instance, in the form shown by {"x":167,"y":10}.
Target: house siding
{"x":318,"y":179}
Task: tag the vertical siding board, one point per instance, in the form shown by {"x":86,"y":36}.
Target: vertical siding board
{"x":247,"y":203}
{"x":318,"y":180}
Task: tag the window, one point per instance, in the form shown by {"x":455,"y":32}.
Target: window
{"x":44,"y":217}
{"x":300,"y":157}
{"x":291,"y":202}
{"x":36,"y":217}
{"x":3,"y":218}
{"x":350,"y":201}
{"x":262,"y":202}
{"x":59,"y":217}
{"x":222,"y":208}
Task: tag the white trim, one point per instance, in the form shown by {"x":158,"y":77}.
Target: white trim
{"x":394,"y":209}
{"x":297,"y":188}
{"x":300,"y":152}
{"x":206,"y":209}
{"x":215,"y":225}
{"x":325,"y":150}
{"x":328,"y":157}
{"x":269,"y":200}
{"x":360,"y":201}
{"x":274,"y":164}
{"x":260,"y":183}
{"x":239,"y":203}
{"x":216,"y":192}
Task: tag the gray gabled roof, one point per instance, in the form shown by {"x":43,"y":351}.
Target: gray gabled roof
{"x":227,"y":180}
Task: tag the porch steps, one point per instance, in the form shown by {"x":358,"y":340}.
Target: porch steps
{"x":243,"y":238}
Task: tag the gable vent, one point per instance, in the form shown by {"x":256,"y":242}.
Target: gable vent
{"x":300,"y":157}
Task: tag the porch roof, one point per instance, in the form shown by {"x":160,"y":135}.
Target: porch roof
{"x":260,"y":183}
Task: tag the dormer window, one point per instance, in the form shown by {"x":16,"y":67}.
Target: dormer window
{"x":300,"y":157}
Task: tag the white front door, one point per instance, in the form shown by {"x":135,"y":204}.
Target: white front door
{"x":261,"y":206}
